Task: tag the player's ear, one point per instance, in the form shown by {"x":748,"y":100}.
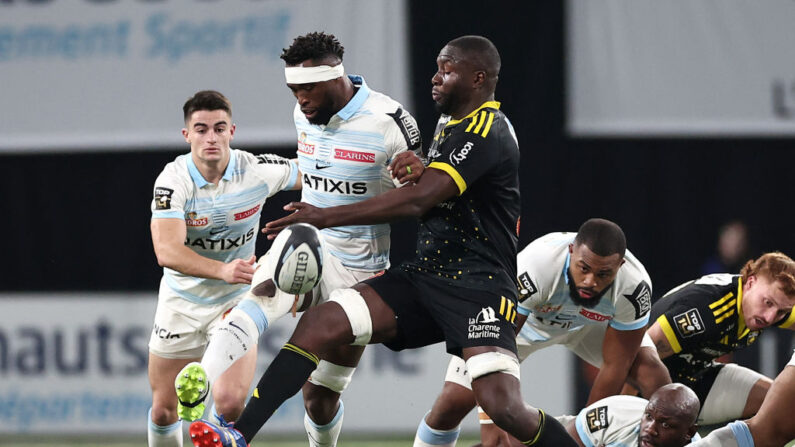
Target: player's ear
{"x":185,"y":134}
{"x":232,"y":131}
{"x":571,"y":248}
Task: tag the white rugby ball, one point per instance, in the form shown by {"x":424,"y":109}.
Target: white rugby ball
{"x":297,"y":257}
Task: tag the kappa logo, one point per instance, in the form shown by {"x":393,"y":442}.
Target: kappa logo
{"x":163,"y":198}
{"x":689,"y":323}
{"x":526,"y":286}
{"x":459,"y":155}
{"x":597,"y":419}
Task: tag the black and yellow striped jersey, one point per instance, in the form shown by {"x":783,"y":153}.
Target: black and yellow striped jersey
{"x":703,"y":320}
{"x":471,"y":240}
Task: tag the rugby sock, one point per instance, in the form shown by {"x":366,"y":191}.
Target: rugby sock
{"x":726,"y":437}
{"x":550,"y":433}
{"x":430,"y":437}
{"x":236,"y":335}
{"x":284,"y":377}
{"x":168,"y":436}
{"x":324,"y":435}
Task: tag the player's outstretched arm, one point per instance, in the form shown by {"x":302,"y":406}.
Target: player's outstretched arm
{"x":168,"y":236}
{"x":432,"y":188}
{"x":618,"y":353}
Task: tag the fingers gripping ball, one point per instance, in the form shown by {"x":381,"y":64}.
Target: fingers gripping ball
{"x":297,"y":258}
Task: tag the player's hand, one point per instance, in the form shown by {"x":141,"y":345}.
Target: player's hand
{"x":406,"y":167}
{"x":239,"y":271}
{"x":303,"y":213}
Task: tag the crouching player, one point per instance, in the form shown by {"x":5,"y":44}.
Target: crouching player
{"x":667,"y":419}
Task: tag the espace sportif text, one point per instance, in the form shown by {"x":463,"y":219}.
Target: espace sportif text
{"x":325,"y":184}
{"x":224,"y":243}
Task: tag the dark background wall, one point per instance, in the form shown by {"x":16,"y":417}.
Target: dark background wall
{"x":80,"y":221}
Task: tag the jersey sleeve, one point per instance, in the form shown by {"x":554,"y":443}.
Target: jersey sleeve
{"x":169,"y":195}
{"x":403,"y":135}
{"x":532,"y":265}
{"x":633,"y":304}
{"x":277,"y":172}
{"x":610,"y":421}
{"x":687,"y":320}
{"x":467,"y":156}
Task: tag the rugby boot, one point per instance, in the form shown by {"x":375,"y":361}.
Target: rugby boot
{"x":192,"y":388}
{"x":204,"y":433}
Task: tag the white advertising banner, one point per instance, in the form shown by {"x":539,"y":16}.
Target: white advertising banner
{"x":680,"y":68}
{"x":77,"y":364}
{"x":84,"y":75}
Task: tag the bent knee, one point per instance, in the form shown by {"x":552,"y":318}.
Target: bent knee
{"x":163,"y":416}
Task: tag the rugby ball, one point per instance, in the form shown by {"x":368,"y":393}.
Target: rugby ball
{"x":297,"y":257}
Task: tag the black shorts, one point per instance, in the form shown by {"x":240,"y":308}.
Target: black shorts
{"x":429,"y":311}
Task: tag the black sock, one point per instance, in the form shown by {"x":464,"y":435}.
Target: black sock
{"x":551,"y":433}
{"x":284,"y":377}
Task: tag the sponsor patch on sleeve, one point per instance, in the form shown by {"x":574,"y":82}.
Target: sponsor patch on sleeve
{"x":597,"y":419}
{"x":689,"y":323}
{"x":641,"y":299}
{"x":163,"y":198}
{"x":408,"y":127}
{"x":526,"y":287}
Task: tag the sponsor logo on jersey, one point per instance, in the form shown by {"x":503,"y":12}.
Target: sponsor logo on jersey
{"x":271,"y":159}
{"x":459,"y":155}
{"x":325,"y":184}
{"x":308,"y":149}
{"x":526,"y":287}
{"x":247,"y":213}
{"x":224,"y":243}
{"x":594,"y":316}
{"x":640,"y":299}
{"x":346,"y":154}
{"x":192,"y":220}
{"x":481,"y":327}
{"x":689,"y":323}
{"x":597,"y":419}
{"x":163,"y":198}
{"x":433,"y":152}
{"x":408,"y":127}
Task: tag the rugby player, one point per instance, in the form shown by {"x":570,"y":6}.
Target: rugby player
{"x":585,"y":291}
{"x":460,"y":286}
{"x":205,"y":215}
{"x":349,"y":140}
{"x":667,"y":419}
{"x":771,"y":426}
{"x":701,"y":320}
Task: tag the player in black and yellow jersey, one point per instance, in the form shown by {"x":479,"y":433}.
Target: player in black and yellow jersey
{"x":701,"y":320}
{"x":459,"y":288}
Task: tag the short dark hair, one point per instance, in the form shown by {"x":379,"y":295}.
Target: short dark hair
{"x":482,"y":52}
{"x":316,"y":45}
{"x":602,"y":237}
{"x":206,"y":100}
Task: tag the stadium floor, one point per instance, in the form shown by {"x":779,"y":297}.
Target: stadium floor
{"x":293,"y":441}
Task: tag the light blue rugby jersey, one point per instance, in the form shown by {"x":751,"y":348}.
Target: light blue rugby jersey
{"x":346,"y":161}
{"x":544,"y":292}
{"x":222,"y":221}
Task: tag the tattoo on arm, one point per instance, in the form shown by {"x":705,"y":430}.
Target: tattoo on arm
{"x":663,"y":348}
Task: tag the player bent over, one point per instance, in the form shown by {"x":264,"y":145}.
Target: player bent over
{"x":460,"y":286}
{"x":667,"y":419}
{"x":205,"y":215}
{"x":352,"y":143}
{"x":585,"y":291}
{"x":701,"y":320}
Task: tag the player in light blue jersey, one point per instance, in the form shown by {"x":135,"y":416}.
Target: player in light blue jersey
{"x":583,"y":290}
{"x":205,"y":215}
{"x":667,"y":419}
{"x":353,"y":144}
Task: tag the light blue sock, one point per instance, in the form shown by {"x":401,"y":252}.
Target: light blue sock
{"x":427,"y":436}
{"x":742,"y":433}
{"x":159,"y":436}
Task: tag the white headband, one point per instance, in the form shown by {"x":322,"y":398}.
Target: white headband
{"x":307,"y":75}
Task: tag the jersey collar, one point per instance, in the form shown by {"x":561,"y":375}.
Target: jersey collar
{"x":197,"y":177}
{"x":487,"y":104}
{"x":358,"y":99}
